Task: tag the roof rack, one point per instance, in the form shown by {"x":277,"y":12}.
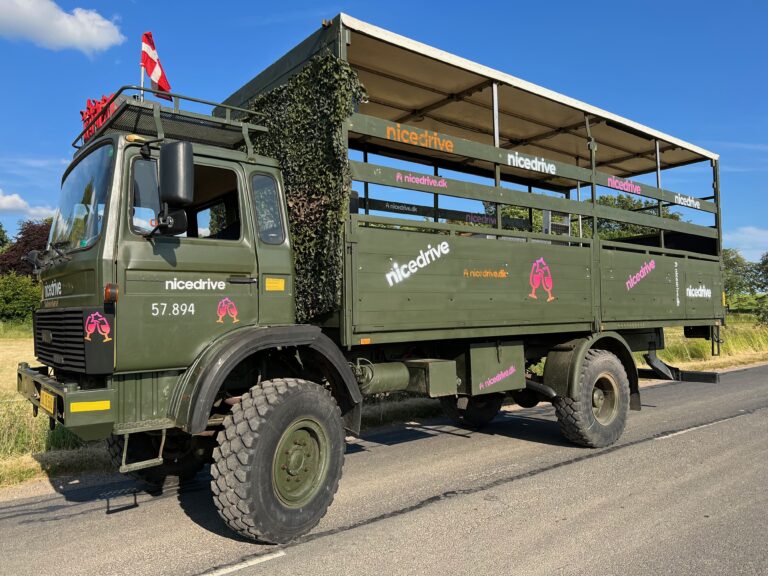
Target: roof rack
{"x":127,"y":112}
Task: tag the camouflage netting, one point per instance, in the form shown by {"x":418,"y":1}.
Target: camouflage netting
{"x":305,"y":117}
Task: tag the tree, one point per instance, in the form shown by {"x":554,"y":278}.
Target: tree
{"x":737,"y":273}
{"x":608,"y":229}
{"x":33,"y":235}
{"x":761,"y":273}
{"x":612,"y":230}
{"x":4,"y":240}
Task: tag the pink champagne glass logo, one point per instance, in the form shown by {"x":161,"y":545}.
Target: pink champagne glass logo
{"x":226,"y":308}
{"x":96,"y":322}
{"x":541,"y":275}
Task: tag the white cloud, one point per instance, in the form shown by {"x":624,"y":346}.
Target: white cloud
{"x":751,"y":241}
{"x":44,"y":23}
{"x":15,"y":204}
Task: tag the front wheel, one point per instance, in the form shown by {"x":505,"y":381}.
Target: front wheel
{"x":279,"y":460}
{"x":596,"y":415}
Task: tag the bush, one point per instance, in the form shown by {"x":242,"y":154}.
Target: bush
{"x":19,"y":295}
{"x":762,"y":311}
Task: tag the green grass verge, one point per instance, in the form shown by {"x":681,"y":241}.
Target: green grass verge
{"x":22,"y":433}
{"x":741,"y":338}
{"x":15,"y":329}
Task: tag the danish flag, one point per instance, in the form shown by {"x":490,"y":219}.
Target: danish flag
{"x":151,"y":63}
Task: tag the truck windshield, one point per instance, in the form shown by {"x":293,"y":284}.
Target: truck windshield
{"x":80,"y":212}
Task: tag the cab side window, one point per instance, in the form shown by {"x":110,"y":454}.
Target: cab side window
{"x":267,"y":202}
{"x":219,"y":220}
{"x":214,"y":213}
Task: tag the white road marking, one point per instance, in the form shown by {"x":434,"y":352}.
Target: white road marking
{"x":245,"y":564}
{"x":679,"y":432}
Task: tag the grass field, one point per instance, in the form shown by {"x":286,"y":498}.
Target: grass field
{"x":28,"y":449}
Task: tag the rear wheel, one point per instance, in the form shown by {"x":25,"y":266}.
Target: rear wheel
{"x":183,"y":455}
{"x":279,"y":460}
{"x":597,"y":414}
{"x":472,"y":411}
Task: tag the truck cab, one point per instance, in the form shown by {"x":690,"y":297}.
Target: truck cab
{"x":117,"y":285}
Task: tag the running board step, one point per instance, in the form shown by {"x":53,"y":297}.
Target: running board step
{"x":660,"y":370}
{"x":133,"y":466}
{"x":124,"y":469}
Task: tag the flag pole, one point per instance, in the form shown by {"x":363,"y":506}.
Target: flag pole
{"x":142,"y":82}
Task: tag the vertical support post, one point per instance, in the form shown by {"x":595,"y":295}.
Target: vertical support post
{"x":658,"y":185}
{"x":578,"y":199}
{"x":142,"y":83}
{"x":436,"y":198}
{"x":592,"y":145}
{"x":595,"y":272}
{"x":496,"y":143}
{"x":716,"y":193}
{"x":496,"y":114}
{"x":530,"y":211}
{"x":365,"y":184}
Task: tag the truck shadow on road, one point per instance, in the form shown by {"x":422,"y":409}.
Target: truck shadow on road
{"x":79,"y":496}
{"x":532,"y":425}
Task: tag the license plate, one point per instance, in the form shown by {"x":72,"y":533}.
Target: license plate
{"x":48,"y":402}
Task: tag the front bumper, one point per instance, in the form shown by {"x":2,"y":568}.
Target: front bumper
{"x":88,"y":413}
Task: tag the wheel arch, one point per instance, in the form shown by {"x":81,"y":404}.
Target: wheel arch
{"x":196,"y":391}
{"x":564,"y":361}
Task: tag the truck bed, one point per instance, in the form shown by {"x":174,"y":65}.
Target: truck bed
{"x":498,"y":284}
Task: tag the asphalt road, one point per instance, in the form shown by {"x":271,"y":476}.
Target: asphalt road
{"x":685,"y":491}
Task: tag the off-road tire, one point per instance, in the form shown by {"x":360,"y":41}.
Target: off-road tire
{"x":581,"y":421}
{"x":472,"y":411}
{"x":184,"y":455}
{"x":248,"y":485}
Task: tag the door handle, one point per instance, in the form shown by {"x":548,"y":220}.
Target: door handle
{"x":242,"y":280}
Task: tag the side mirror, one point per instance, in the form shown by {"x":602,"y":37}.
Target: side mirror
{"x":177,"y":174}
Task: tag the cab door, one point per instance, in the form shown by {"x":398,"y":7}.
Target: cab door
{"x":179,"y":293}
{"x":276,"y":274}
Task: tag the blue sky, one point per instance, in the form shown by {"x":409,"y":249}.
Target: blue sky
{"x":696,"y":70}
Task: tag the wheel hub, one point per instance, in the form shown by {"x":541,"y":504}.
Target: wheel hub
{"x":295,"y":461}
{"x":300,"y":462}
{"x":605,"y":398}
{"x":598,"y":397}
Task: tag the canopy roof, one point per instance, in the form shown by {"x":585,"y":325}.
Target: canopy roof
{"x":413,"y":83}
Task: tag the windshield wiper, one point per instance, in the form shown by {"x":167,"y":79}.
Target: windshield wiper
{"x":57,"y":246}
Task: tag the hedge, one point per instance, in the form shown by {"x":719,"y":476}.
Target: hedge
{"x":19,"y":296}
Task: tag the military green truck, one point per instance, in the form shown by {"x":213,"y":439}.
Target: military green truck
{"x":475,"y":240}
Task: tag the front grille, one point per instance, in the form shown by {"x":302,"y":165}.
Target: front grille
{"x":59,"y":339}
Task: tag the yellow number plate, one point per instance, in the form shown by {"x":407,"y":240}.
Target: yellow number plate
{"x":48,"y":402}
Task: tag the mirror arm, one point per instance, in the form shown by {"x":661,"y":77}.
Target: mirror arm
{"x":162,"y":221}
